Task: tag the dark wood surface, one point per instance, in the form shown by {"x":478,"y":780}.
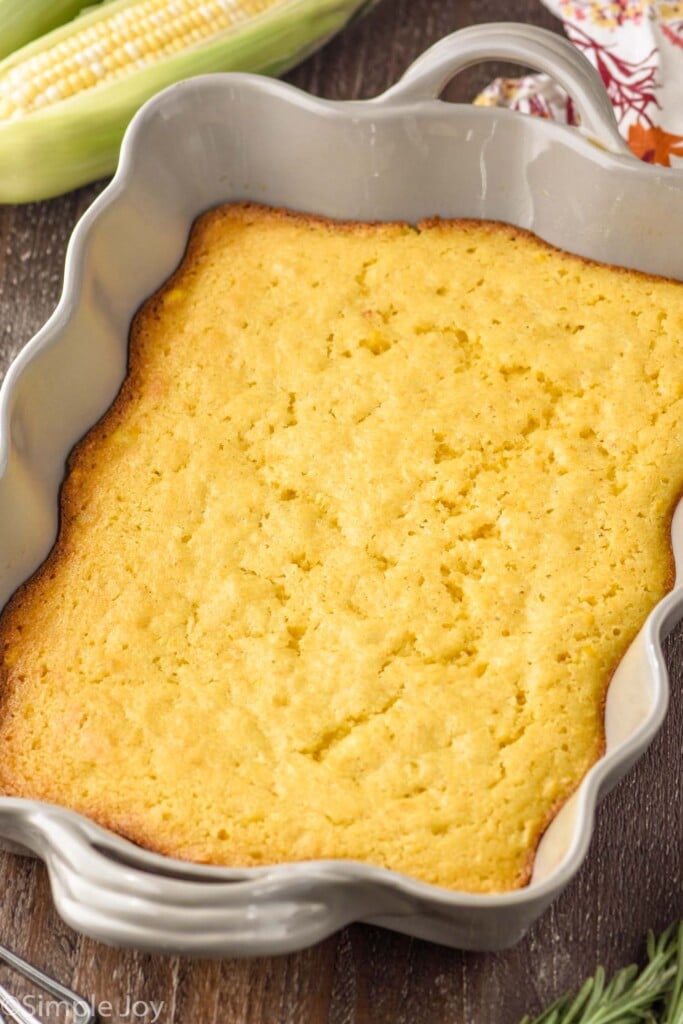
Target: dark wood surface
{"x":633,"y":876}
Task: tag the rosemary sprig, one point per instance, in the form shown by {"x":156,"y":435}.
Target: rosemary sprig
{"x":649,"y":995}
{"x":673,"y":1013}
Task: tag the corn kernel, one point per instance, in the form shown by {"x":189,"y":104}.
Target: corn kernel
{"x":143,"y":33}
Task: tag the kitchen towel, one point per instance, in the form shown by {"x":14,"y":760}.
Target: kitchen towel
{"x":637,"y":47}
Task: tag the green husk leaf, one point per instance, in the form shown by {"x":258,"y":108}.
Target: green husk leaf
{"x":24,"y":20}
{"x":75,"y":141}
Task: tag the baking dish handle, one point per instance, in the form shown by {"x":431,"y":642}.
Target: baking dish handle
{"x":110,"y":890}
{"x":526,"y":44}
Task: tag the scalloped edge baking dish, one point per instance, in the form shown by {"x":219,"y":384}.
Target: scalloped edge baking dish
{"x":405,"y":156}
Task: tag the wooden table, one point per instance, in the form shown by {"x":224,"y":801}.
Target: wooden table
{"x":633,"y":876}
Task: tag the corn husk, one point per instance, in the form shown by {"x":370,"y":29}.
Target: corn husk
{"x":74,"y":141}
{"x":24,"y":20}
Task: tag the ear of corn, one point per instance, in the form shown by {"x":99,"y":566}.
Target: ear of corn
{"x":112,"y":44}
{"x":24,"y":20}
{"x":65,"y":99}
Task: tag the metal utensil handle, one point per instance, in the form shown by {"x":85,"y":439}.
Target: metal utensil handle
{"x":526,"y":44}
{"x":82,"y":1013}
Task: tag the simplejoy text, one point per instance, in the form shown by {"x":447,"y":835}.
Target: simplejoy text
{"x":141,"y":1011}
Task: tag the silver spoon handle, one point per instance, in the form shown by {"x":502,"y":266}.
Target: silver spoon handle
{"x":12,"y":1010}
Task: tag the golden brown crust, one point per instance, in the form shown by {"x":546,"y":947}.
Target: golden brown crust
{"x":512,"y":231}
{"x":84,"y":456}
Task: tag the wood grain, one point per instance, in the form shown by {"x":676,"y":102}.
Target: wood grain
{"x":633,"y":876}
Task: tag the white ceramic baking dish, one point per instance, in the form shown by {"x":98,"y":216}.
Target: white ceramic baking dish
{"x":404,"y":155}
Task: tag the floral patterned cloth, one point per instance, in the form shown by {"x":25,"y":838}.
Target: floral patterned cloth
{"x":637,"y":47}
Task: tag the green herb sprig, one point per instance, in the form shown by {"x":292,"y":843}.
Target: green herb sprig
{"x":652,"y":994}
